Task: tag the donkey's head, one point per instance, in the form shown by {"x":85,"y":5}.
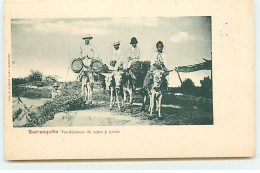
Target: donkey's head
{"x":118,"y":75}
{"x":158,"y":78}
{"x":109,"y":80}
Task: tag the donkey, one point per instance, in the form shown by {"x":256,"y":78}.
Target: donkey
{"x":110,"y":87}
{"x":120,"y":84}
{"x":87,"y":84}
{"x":127,"y":86}
{"x":153,"y":87}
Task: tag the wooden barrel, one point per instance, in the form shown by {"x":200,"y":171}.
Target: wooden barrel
{"x":97,"y":66}
{"x":76,"y":65}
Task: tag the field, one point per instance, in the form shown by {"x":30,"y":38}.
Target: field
{"x":177,"y":109}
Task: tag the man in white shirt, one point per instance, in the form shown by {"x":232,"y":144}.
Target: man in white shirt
{"x":159,"y":58}
{"x":88,"y":53}
{"x":117,"y":57}
{"x":133,"y":53}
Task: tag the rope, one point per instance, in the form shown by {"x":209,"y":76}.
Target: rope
{"x":67,"y":72}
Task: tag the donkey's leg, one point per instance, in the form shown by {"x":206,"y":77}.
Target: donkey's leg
{"x":114,"y":96}
{"x":111,"y":97}
{"x":83,"y":85}
{"x":117,"y":99}
{"x":159,"y":106}
{"x":151,"y":104}
{"x":124,"y":98}
{"x":150,"y":96}
{"x":131,"y":99}
{"x":144,"y":102}
{"x":156,"y":104}
{"x":82,"y":89}
{"x":90,"y":93}
{"x":86,"y":94}
{"x":130,"y":91}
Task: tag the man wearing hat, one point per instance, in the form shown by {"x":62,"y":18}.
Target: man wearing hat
{"x":88,"y":54}
{"x":132,"y":53}
{"x":87,"y":51}
{"x":117,"y":57}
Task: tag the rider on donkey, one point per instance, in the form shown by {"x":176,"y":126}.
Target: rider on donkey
{"x":117,"y":57}
{"x":159,"y":59}
{"x":133,"y":55}
{"x":88,"y":54}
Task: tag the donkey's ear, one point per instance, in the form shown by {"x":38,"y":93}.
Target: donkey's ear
{"x":168,"y":71}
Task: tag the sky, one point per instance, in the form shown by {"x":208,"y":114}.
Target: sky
{"x":50,"y":45}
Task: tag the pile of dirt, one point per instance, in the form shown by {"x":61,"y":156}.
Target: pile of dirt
{"x":140,"y":69}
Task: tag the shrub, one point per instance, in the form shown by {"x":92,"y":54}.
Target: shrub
{"x":35,"y":75}
{"x":188,"y":86}
{"x":206,"y":87}
{"x":19,"y":81}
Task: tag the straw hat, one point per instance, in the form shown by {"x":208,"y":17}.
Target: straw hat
{"x":87,"y":37}
{"x":116,"y":43}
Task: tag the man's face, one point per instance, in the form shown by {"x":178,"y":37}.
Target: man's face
{"x":87,"y":41}
{"x":134,"y":45}
{"x":116,"y":46}
{"x":160,"y":48}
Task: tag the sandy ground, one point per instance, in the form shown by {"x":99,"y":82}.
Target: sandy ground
{"x":92,"y":118}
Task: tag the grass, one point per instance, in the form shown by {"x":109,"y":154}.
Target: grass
{"x":23,"y":91}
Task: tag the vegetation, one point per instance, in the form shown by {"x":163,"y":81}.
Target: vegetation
{"x":69,"y":100}
{"x":206,"y":87}
{"x":35,"y":75}
{"x":188,"y":86}
{"x":31,"y":92}
{"x":196,"y":102}
{"x":35,"y":85}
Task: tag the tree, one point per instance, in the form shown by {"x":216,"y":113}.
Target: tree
{"x":188,"y":86}
{"x":206,"y":87}
{"x":35,"y":75}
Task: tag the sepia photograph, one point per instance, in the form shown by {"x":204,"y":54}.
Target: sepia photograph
{"x":129,"y":80}
{"x":69,"y":72}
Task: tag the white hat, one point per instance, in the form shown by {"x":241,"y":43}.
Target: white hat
{"x":116,"y":43}
{"x":87,"y":37}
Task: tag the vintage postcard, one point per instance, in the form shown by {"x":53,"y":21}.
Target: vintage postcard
{"x":129,"y":79}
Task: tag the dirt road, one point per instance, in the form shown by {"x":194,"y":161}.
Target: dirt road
{"x":100,"y":115}
{"x":93,"y":118}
